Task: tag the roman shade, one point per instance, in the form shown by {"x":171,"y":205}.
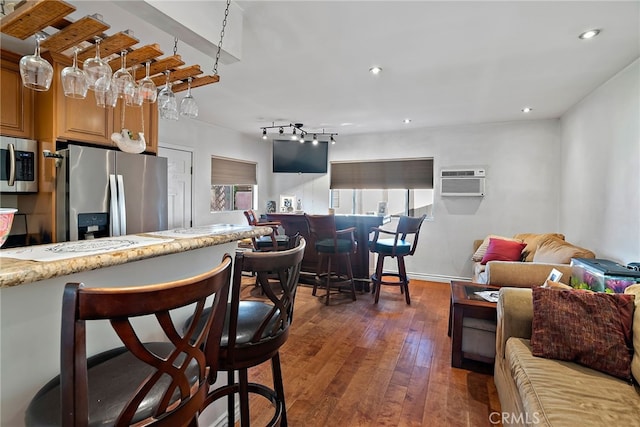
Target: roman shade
{"x":232,"y":172}
{"x":382,"y":174}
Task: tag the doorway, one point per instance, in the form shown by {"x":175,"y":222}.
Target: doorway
{"x":179,"y":179}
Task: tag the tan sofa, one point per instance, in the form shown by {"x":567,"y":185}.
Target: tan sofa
{"x":544,"y":252}
{"x":535,"y":391}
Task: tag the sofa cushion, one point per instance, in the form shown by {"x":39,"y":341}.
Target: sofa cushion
{"x":589,"y":328}
{"x":502,"y":250}
{"x":482,"y":249}
{"x":533,"y":240}
{"x":635,"y":361}
{"x":565,"y":394}
{"x":557,"y":251}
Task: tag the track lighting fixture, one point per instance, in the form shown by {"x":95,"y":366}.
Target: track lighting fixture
{"x":297,"y":130}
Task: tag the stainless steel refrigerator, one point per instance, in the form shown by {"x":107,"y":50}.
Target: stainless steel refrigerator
{"x":102,"y":193}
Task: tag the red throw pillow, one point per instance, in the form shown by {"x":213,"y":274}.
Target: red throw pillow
{"x":589,"y":328}
{"x":503,"y":250}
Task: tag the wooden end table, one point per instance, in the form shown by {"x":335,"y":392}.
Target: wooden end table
{"x":465,"y":303}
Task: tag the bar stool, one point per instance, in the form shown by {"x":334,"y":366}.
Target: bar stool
{"x":157,"y":383}
{"x":403,"y":243}
{"x":255,"y":330}
{"x":334,"y":247}
{"x":272,"y":242}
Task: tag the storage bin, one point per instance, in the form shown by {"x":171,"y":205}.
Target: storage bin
{"x":601,"y":275}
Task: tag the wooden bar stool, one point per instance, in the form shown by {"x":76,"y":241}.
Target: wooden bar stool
{"x":153,"y":383}
{"x":272,"y":242}
{"x":403,"y":243}
{"x":256,"y":329}
{"x":334,"y":248}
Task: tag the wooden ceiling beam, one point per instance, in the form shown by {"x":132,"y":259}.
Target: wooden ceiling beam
{"x":179,"y":74}
{"x":138,"y":56}
{"x":197,"y":82}
{"x":29,"y":17}
{"x":73,"y":34}
{"x":160,"y":66}
{"x":110,"y":45}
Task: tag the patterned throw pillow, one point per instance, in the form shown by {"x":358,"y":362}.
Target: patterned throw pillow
{"x":592,"y":329}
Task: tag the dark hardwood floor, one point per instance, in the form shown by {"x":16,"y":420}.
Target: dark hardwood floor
{"x":360,"y":364}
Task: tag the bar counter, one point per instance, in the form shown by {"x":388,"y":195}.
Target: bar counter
{"x":31,"y":299}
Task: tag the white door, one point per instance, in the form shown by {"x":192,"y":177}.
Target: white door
{"x":179,"y":170}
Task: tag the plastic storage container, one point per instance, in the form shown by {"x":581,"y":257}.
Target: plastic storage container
{"x":601,"y":275}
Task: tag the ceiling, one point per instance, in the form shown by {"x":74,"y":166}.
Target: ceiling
{"x":444,"y":62}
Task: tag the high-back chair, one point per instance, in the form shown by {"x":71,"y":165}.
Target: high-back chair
{"x":403,"y":243}
{"x":256,"y":330}
{"x":158,"y":383}
{"x":334,"y":248}
{"x":272,"y":242}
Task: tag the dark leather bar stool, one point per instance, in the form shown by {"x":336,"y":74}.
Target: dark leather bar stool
{"x":403,"y":243}
{"x":158,"y":383}
{"x":255,"y":330}
{"x":272,"y":242}
{"x":334,"y":248}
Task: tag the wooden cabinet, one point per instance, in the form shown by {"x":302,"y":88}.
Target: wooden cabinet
{"x":60,"y":118}
{"x":80,"y":120}
{"x":16,"y":107}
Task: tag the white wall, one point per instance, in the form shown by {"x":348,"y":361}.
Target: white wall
{"x":579,"y":176}
{"x":522,"y":160}
{"x":600,"y":207}
{"x":208,"y":140}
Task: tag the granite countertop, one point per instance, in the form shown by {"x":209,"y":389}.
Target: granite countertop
{"x":65,"y":258}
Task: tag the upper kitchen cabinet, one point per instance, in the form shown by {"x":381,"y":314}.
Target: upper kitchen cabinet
{"x":68,"y":119}
{"x":16,"y":107}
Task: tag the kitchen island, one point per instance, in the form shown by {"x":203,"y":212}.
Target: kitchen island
{"x":31,"y":295}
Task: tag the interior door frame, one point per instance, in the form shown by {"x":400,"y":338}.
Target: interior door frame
{"x":191,"y":150}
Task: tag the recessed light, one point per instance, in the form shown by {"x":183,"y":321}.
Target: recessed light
{"x":589,"y":34}
{"x":406,"y":121}
{"x":527,"y":110}
{"x":375,"y":70}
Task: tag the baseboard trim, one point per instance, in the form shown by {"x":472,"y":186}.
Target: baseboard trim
{"x":436,"y":277}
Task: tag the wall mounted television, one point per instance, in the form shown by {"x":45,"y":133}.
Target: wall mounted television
{"x":295,"y":157}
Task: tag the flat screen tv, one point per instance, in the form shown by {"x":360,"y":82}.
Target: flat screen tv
{"x":295,"y":157}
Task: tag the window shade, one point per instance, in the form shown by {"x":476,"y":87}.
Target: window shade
{"x":231,"y":172}
{"x":383,"y":174}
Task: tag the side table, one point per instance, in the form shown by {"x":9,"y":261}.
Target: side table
{"x":472,"y":322}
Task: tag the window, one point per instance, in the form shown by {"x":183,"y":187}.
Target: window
{"x":405,"y":187}
{"x":233,"y":184}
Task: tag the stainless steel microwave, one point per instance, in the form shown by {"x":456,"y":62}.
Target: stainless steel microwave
{"x":18,"y":165}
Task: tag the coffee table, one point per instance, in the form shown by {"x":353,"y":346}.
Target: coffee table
{"x":466,"y":304}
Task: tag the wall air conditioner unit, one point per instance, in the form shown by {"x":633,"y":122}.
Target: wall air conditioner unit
{"x":462,"y":182}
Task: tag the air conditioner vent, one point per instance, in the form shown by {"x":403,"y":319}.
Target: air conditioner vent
{"x":462,"y":182}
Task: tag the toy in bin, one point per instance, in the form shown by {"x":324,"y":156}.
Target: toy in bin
{"x":601,"y":275}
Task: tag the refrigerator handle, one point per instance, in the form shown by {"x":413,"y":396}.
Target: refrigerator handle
{"x":12,"y":165}
{"x":122,"y":206}
{"x":114,"y":218}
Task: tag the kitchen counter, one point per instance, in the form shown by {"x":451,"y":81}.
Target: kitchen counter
{"x":31,"y":296}
{"x":15,"y":272}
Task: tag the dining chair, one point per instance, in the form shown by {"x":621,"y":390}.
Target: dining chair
{"x":402,"y":243}
{"x":334,"y":248}
{"x":255,"y":330}
{"x":160,"y":383}
{"x":272,"y":242}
